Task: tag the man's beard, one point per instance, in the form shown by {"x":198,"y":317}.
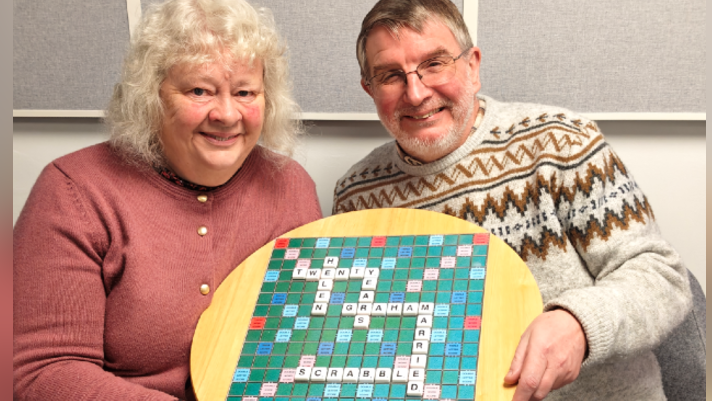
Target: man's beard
{"x":442,"y":144}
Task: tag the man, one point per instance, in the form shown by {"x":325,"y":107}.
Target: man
{"x":541,"y":178}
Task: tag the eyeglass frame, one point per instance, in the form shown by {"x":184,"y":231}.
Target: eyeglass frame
{"x":420,"y":77}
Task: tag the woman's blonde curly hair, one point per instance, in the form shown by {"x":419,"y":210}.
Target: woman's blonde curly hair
{"x":195,"y":32}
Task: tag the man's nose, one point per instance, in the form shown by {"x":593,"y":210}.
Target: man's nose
{"x":416,"y":92}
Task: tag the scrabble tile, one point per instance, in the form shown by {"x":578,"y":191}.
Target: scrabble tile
{"x":349,"y":309}
{"x":322,"y":296}
{"x":331,"y":261}
{"x":415,"y":389}
{"x":364,"y":308}
{"x":318,"y":374}
{"x":366,"y":296}
{"x":426,"y":308}
{"x":394,"y":309}
{"x":422,"y":334}
{"x":357,"y":272}
{"x":302,"y":374}
{"x":351,"y":375}
{"x":334,"y":374}
{"x":410,"y":309}
{"x":416,"y":375}
{"x":362,"y":321}
{"x":319,"y":309}
{"x":379,"y":309}
{"x":313,"y":274}
{"x":367,"y":375}
{"x":420,"y":347}
{"x":342,"y":274}
{"x":400,"y":375}
{"x":369,"y":284}
{"x":424,"y":321}
{"x":383,"y":375}
{"x":417,"y":361}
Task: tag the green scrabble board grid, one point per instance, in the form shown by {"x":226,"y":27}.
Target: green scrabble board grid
{"x":283,"y":329}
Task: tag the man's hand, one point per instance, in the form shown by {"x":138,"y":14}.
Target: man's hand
{"x":548,"y":356}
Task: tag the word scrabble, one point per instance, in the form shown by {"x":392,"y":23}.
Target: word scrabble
{"x":367,"y":317}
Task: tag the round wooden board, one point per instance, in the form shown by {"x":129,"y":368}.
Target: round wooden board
{"x":511,"y":301}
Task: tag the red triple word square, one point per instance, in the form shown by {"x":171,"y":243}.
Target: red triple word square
{"x":268,"y":390}
{"x":378,"y":241}
{"x":472,"y":322}
{"x":281,"y":243}
{"x":258,"y":323}
{"x":480,"y":239}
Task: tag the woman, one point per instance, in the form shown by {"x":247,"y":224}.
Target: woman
{"x":120,"y":246}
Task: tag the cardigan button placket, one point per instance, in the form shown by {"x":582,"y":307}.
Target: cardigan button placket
{"x":202,"y":198}
{"x":202,"y":230}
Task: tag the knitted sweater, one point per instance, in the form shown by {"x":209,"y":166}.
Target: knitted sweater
{"x":545,"y":181}
{"x":109,"y":270}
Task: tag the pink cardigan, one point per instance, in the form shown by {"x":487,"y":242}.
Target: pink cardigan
{"x":109,"y":265}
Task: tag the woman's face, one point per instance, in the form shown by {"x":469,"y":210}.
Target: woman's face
{"x":213,"y":118}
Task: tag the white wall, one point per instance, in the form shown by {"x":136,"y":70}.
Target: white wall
{"x":667,"y":158}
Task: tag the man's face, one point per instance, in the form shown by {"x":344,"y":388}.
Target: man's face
{"x":427,"y":122}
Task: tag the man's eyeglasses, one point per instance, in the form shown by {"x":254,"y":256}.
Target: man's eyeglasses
{"x":432,"y":72}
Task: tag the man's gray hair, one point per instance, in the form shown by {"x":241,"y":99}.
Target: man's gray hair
{"x":196,"y":32}
{"x":412,"y":14}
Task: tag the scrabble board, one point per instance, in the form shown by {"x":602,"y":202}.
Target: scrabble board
{"x":364,"y":317}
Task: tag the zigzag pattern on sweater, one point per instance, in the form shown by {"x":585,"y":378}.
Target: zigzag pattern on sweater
{"x":523,"y":149}
{"x":529,"y":246}
{"x":421,"y":192}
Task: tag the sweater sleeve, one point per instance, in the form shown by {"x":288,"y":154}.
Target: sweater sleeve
{"x":641,"y":291}
{"x":59,"y":299}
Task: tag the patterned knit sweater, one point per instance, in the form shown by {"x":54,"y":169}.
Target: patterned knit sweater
{"x":545,"y":181}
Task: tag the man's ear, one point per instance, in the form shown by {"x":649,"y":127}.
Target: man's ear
{"x":366,"y":88}
{"x":474,"y":65}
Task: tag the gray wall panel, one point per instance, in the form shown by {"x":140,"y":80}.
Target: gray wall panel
{"x":602,"y":56}
{"x":322,"y":41}
{"x":67,"y":54}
